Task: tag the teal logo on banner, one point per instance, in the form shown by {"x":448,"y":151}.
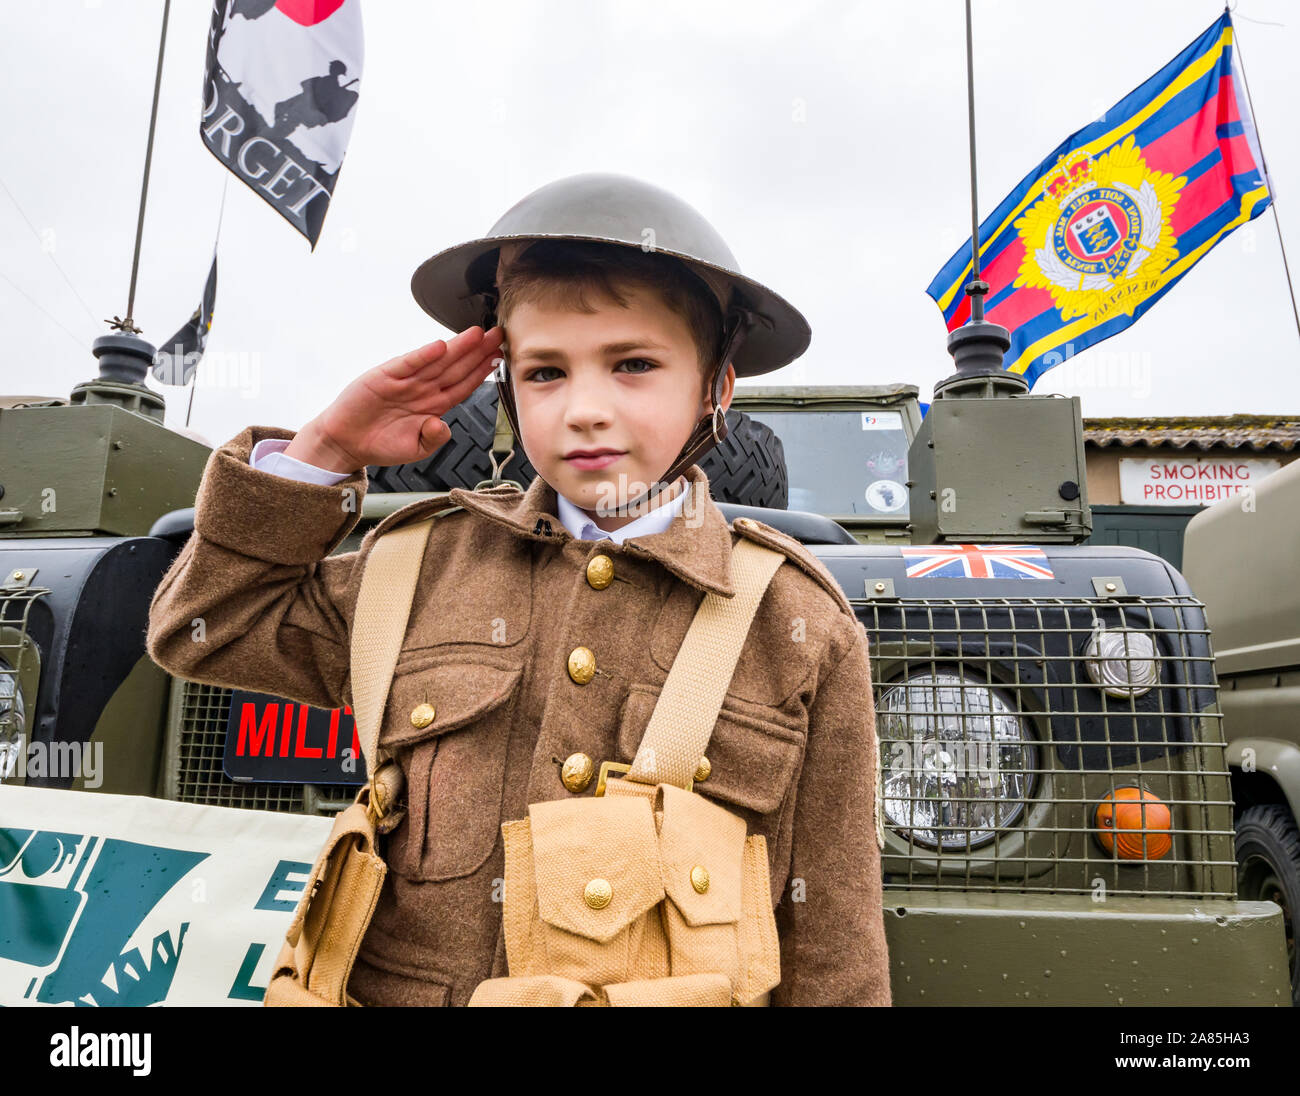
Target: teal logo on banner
{"x":69,"y":914}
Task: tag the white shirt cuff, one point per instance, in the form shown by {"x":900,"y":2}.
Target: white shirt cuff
{"x":268,"y":456}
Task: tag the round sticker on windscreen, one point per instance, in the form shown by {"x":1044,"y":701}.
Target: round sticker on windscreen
{"x":887,"y":495}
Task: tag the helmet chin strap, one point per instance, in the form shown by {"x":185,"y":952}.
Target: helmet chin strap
{"x":708,"y":432}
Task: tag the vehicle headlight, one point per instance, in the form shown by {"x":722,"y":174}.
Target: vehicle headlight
{"x":12,"y":721}
{"x":958,"y":762}
{"x":1122,"y":662}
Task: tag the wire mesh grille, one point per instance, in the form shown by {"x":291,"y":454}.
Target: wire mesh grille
{"x":1050,"y":745}
{"x":198,"y":746}
{"x":17,"y":655}
{"x":1013,"y":757}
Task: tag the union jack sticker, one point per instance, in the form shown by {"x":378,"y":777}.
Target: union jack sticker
{"x":977,"y":561}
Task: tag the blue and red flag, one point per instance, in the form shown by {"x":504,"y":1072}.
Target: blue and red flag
{"x":1117,"y":213}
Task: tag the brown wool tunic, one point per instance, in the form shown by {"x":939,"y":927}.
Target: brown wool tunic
{"x":502,"y":599}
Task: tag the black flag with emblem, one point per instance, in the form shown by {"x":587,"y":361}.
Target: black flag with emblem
{"x":279,"y":97}
{"x":178,"y":358}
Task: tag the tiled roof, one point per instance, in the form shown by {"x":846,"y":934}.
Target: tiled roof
{"x":1258,"y":432}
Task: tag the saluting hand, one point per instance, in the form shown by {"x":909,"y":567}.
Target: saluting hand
{"x":391,"y":414}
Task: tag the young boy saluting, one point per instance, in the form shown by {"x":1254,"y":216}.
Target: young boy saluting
{"x":545,"y":622}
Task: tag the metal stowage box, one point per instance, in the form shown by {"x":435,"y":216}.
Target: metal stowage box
{"x":98,"y":469}
{"x":1034,"y":492}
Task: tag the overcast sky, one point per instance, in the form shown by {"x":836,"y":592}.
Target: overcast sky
{"x":825,"y":141}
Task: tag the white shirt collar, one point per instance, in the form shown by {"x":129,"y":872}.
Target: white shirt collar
{"x":657,"y":520}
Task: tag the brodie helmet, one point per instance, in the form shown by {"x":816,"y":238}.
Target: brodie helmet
{"x":761,"y":330}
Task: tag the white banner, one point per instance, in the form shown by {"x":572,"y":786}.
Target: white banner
{"x":1188,"y":481}
{"x":127,"y":900}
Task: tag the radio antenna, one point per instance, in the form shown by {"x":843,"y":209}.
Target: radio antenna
{"x":127,"y":325}
{"x":977,"y":287}
{"x":978,"y":347}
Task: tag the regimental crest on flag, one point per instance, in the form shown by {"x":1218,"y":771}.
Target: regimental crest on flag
{"x":977,"y":561}
{"x":1116,"y":215}
{"x":1099,"y":237}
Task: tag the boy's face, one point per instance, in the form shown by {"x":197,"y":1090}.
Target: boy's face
{"x":607,"y":400}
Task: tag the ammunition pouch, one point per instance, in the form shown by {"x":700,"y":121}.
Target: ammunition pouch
{"x":647,"y":893}
{"x":640,"y":897}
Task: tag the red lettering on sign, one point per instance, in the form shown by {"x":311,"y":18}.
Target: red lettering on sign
{"x":252,"y":735}
{"x":286,"y":730}
{"x":300,"y":747}
{"x":332,"y":746}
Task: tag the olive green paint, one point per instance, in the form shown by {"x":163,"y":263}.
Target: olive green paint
{"x":97,"y":469}
{"x":1014,"y":949}
{"x":1241,"y":556}
{"x":833,"y":397}
{"x":1280,"y":761}
{"x":130,"y":729}
{"x":991,"y":470}
{"x":903,"y":398}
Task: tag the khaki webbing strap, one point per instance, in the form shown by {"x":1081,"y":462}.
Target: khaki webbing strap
{"x":503,"y":437}
{"x":689,"y":703}
{"x":379,"y":626}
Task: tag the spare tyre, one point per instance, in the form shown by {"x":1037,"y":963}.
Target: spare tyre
{"x":748,"y":468}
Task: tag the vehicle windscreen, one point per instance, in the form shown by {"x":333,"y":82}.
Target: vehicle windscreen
{"x":843,"y":462}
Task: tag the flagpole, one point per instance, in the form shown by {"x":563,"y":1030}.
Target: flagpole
{"x":977,"y":287}
{"x":221,"y":213}
{"x":1281,"y":243}
{"x":128,"y":324}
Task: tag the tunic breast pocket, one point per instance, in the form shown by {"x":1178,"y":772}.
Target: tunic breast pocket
{"x":753,"y":756}
{"x":448,"y":724}
{"x":478,"y":596}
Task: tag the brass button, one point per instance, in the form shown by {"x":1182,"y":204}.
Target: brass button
{"x":699,"y":879}
{"x":422,"y":715}
{"x":744,"y":523}
{"x":598,"y":894}
{"x":600,"y":572}
{"x":582,"y":665}
{"x":703,"y":769}
{"x":577,"y":772}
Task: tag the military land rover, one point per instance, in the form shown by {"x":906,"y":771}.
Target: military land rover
{"x":1057,"y":805}
{"x":1242,"y":557}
